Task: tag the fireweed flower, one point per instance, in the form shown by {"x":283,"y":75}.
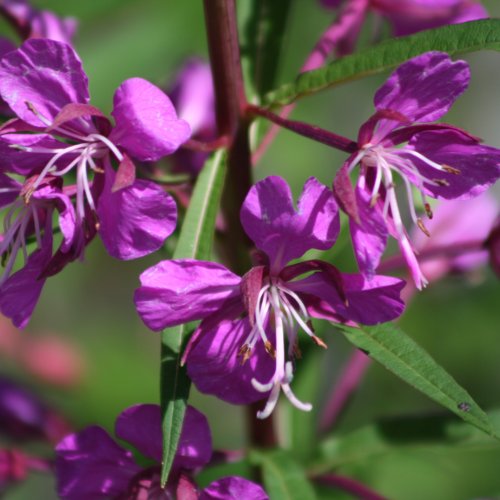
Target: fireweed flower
{"x":411,"y":16}
{"x":90,"y":464}
{"x":239,"y":351}
{"x":57,"y":133}
{"x":398,"y":143}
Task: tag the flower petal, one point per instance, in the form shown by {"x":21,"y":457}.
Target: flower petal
{"x":479,"y":165}
{"x":368,"y":301}
{"x":47,"y":75}
{"x":177,"y":291}
{"x":147,"y":126}
{"x":233,"y":488}
{"x":369,"y":237}
{"x":136,"y":220}
{"x":215,"y":366}
{"x":90,"y":464}
{"x":422,"y":89}
{"x":283,"y":233}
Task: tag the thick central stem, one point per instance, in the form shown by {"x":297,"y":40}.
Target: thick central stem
{"x":224,"y":50}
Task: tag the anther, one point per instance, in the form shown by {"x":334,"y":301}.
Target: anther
{"x":245,"y":352}
{"x":441,"y":182}
{"x":319,"y":342}
{"x":451,"y":170}
{"x":374,"y":200}
{"x":421,"y":226}
{"x":270,"y":349}
{"x":428,"y":211}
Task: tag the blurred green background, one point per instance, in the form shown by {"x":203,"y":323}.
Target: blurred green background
{"x":457,"y":320}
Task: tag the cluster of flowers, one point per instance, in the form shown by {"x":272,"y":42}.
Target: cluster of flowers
{"x":64,"y":160}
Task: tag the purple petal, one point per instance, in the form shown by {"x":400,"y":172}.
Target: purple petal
{"x":136,"y":220}
{"x":140,"y":425}
{"x":44,"y":73}
{"x":147,"y":126}
{"x":46,"y":24}
{"x":9,"y":190}
{"x":233,"y":488}
{"x":21,"y":291}
{"x":269,"y":217}
{"x":90,"y":464}
{"x":422,"y":89}
{"x":215,"y":366}
{"x":478,"y":164}
{"x":177,"y":291}
{"x":368,"y":301}
{"x":195,"y":443}
{"x":369,"y":237}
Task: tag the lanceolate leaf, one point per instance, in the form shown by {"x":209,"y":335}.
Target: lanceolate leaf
{"x":195,"y":241}
{"x":283,"y":477}
{"x":391,"y":347}
{"x":458,"y":38}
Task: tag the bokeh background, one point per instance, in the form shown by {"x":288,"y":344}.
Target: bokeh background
{"x":90,"y":303}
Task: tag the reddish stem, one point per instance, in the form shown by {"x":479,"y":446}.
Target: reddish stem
{"x":208,"y":146}
{"x":307,"y":130}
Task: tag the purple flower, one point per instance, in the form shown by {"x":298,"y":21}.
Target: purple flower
{"x":410,"y":16}
{"x":193,"y":96}
{"x":238,"y":352}
{"x":34,"y":23}
{"x":57,"y":132}
{"x":437,"y":160}
{"x":24,"y":417}
{"x":458,"y":224}
{"x":90,"y":464}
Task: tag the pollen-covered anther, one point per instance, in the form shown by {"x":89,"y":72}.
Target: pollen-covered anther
{"x":451,"y":170}
{"x":270,"y":349}
{"x":319,"y":342}
{"x":244,"y":352}
{"x":428,"y":211}
{"x":441,"y":182}
{"x":421,"y":226}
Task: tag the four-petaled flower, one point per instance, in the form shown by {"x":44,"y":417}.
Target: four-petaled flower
{"x":89,"y":464}
{"x":56,"y":134}
{"x":239,"y":351}
{"x":438,"y":160}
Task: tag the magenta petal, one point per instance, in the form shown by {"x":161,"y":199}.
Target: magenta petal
{"x":478,"y":164}
{"x":233,"y":488}
{"x":140,"y":425}
{"x":136,"y":220}
{"x":177,"y":291}
{"x":369,"y":237}
{"x":424,"y":88}
{"x":9,"y":190}
{"x":195,"y":443}
{"x":44,"y":73}
{"x":269,"y":217}
{"x":90,"y":464}
{"x":147,"y":126}
{"x":368,"y":301}
{"x":21,"y":291}
{"x":46,"y":24}
{"x":216,"y":368}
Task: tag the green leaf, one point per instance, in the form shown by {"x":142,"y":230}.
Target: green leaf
{"x":195,"y":242}
{"x":391,"y":347}
{"x":283,"y":477}
{"x":262,"y":42}
{"x":454,"y":39}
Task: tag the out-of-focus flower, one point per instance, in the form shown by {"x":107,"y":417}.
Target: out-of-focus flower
{"x":90,"y":464}
{"x":462,"y":226}
{"x":439,"y":160}
{"x":57,"y":132}
{"x":410,"y":16}
{"x":239,"y":352}
{"x":24,"y":417}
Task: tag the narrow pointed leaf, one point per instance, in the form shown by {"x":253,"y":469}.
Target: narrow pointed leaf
{"x":283,"y":477}
{"x":195,"y":241}
{"x":454,"y":39}
{"x":391,"y":347}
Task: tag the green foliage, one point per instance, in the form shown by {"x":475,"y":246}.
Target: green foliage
{"x":391,"y":347}
{"x":284,"y":479}
{"x":454,"y":39}
{"x":195,"y":242}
